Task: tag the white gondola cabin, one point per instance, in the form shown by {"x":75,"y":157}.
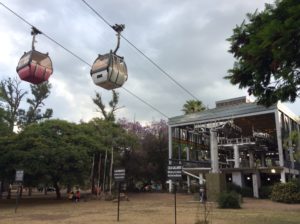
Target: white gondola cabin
{"x":34,"y":66}
{"x":109,"y":71}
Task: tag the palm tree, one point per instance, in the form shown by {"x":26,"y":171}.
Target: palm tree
{"x":193,"y":106}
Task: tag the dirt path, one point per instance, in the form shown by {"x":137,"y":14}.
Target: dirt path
{"x":154,"y":208}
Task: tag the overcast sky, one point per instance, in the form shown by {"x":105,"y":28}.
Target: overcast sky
{"x":186,"y":38}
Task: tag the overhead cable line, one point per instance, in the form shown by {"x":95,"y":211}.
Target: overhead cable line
{"x":28,"y":23}
{"x":145,"y":102}
{"x":143,"y":54}
{"x":79,"y":58}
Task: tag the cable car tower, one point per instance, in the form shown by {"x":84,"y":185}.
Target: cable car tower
{"x":109,"y":71}
{"x":34,"y":66}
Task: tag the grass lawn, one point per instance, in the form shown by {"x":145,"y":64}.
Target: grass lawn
{"x":143,"y":208}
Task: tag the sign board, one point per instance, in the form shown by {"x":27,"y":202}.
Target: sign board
{"x":175,"y":172}
{"x":19,"y":175}
{"x":119,"y":175}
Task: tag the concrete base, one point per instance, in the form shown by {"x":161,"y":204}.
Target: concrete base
{"x":215,"y":184}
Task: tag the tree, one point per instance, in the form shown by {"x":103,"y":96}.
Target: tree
{"x":108,"y":115}
{"x":34,"y":114}
{"x":53,"y":152}
{"x":148,"y":160}
{"x":11,"y":95}
{"x":193,"y":106}
{"x":4,"y":126}
{"x":267,"y":53}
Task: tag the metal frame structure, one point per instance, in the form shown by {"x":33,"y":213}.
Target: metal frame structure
{"x":238,"y":138}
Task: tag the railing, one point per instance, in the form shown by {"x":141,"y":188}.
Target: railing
{"x":192,"y":163}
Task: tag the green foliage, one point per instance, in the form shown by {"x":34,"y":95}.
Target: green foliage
{"x":11,"y":96}
{"x":286,"y":192}
{"x":148,"y":160}
{"x":4,"y":126}
{"x":193,"y":106}
{"x":34,"y":113}
{"x":110,"y":115}
{"x":265,"y":191}
{"x":229,"y":200}
{"x":266,"y":52}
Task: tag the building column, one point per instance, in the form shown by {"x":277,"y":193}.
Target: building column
{"x":237,"y":178}
{"x":188,"y":176}
{"x":214,"y":157}
{"x":256,"y":183}
{"x":236,"y":156}
{"x":251,"y":159}
{"x":279,"y":143}
{"x":291,"y":154}
{"x":170,"y":155}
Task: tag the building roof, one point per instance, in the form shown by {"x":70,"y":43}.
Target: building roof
{"x":222,"y":113}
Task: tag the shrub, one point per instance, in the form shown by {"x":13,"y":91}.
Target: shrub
{"x":286,"y":192}
{"x":229,"y":200}
{"x":244,"y":191}
{"x":233,"y":187}
{"x":247,"y":192}
{"x":265,"y":191}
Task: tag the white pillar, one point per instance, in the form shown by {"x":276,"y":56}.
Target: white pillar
{"x":237,"y":178}
{"x":201,"y":179}
{"x":188,"y":176}
{"x":251,"y":159}
{"x":279,"y":143}
{"x":298,"y":145}
{"x":282,"y":177}
{"x":170,"y":155}
{"x":291,"y":164}
{"x":214,"y":157}
{"x":279,"y":137}
{"x":256,"y":183}
{"x":236,"y":156}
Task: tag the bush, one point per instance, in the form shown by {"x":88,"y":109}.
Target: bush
{"x":229,"y":200}
{"x":286,"y":192}
{"x":247,"y":192}
{"x":233,"y":187}
{"x":244,"y":191}
{"x":265,"y":191}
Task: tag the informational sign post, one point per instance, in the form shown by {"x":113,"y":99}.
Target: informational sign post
{"x":119,"y":176}
{"x":175,"y":174}
{"x":19,"y":175}
{"x":19,"y":179}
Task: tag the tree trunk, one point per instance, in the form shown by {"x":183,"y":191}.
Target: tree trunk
{"x":92,"y":176}
{"x":104,"y":173}
{"x":69,"y":189}
{"x":111,"y":169}
{"x":57,"y":190}
{"x":21,"y":191}
{"x":99,"y":170}
{"x":29,"y":191}
{"x":1,"y":187}
{"x":9,"y":193}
